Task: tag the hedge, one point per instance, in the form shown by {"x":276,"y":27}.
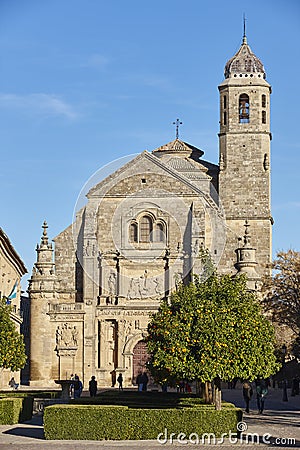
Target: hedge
{"x":98,"y":422}
{"x":156,"y":401}
{"x":15,"y":410}
{"x":39,"y":394}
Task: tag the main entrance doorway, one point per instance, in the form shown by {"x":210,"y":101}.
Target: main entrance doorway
{"x":140,"y":358}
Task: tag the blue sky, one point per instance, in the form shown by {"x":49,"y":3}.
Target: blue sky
{"x":84,"y":82}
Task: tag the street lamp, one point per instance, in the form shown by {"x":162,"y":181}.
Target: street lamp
{"x":284,"y":393}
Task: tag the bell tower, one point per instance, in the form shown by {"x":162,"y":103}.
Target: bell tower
{"x":244,"y":154}
{"x":42,"y":292}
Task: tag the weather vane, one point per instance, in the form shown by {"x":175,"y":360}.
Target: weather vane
{"x":177,"y":123}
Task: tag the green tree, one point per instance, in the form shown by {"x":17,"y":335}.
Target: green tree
{"x":12,"y":347}
{"x":282,"y":290}
{"x":211,"y":330}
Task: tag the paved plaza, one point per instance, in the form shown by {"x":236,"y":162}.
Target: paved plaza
{"x":279,"y":423}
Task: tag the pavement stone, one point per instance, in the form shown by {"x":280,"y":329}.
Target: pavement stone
{"x":280,"y":422}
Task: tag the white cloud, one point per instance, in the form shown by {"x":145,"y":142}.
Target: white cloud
{"x":96,"y":61}
{"x":47,"y":104}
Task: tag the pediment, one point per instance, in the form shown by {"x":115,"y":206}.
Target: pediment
{"x":146,"y":163}
{"x":178,"y":147}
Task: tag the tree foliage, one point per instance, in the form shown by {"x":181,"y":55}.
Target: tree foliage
{"x":282,"y":290}
{"x":12,"y":347}
{"x":211,"y":330}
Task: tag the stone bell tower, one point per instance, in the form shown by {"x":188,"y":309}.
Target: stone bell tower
{"x":42,"y":292}
{"x":244,"y":152}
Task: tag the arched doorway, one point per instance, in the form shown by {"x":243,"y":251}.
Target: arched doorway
{"x":140,"y":358}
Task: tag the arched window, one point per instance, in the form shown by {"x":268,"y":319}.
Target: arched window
{"x":133,"y":232}
{"x":224,"y":102}
{"x":263,"y":101}
{"x":264,"y":117}
{"x":244,"y":108}
{"x":160,"y":233}
{"x":146,"y":228}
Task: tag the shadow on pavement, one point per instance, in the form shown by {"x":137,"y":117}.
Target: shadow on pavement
{"x":33,"y":432}
{"x":34,"y":429}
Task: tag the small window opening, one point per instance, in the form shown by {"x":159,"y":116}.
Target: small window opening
{"x":133,"y":232}
{"x":244,"y":108}
{"x":225,"y":118}
{"x":224,"y":102}
{"x":144,"y":180}
{"x":264,"y":117}
{"x":263,"y":101}
{"x":160,"y":233}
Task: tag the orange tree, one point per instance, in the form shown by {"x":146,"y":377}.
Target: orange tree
{"x":12,"y":347}
{"x":211,"y":331}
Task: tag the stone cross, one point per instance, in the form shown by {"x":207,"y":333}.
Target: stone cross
{"x":177,"y":123}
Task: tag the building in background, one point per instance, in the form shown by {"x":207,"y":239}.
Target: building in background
{"x":12,"y":269}
{"x":142,"y":232}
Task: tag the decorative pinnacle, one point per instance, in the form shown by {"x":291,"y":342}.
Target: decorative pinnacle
{"x":244,"y":35}
{"x":246,"y":235}
{"x":177,"y":123}
{"x":45,"y":235}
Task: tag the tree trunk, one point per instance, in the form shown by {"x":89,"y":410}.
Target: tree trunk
{"x":208,"y":398}
{"x":217,"y":394}
{"x":200,"y":388}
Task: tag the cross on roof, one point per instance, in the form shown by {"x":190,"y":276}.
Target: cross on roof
{"x":177,"y":123}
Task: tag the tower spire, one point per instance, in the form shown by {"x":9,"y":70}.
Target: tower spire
{"x":244,"y":34}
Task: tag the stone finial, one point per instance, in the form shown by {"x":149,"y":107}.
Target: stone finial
{"x":44,"y":239}
{"x":43,"y":273}
{"x":247,"y":234}
{"x":246,"y":259}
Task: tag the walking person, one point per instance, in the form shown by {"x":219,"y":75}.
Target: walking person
{"x":247,"y":393}
{"x":120,"y":381}
{"x":77,"y":387}
{"x":295,"y":386}
{"x":139,"y":382}
{"x":93,"y":386}
{"x":261,"y":393}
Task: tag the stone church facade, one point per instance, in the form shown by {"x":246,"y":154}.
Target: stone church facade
{"x":141,"y":233}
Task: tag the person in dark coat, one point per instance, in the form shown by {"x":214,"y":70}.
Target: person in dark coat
{"x":247,"y":393}
{"x":93,"y":386}
{"x":261,"y":393}
{"x":139,"y":381}
{"x":12,"y":383}
{"x":77,"y":387}
{"x":120,"y":381}
{"x":295,"y":386}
